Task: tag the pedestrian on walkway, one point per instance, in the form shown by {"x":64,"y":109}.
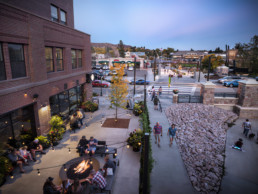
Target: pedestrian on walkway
{"x":156,"y":102}
{"x":152,"y":93}
{"x":171,"y":133}
{"x":160,"y":91}
{"x":247,"y":126}
{"x":157,"y":130}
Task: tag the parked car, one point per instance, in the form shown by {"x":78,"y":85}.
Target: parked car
{"x":130,"y":68}
{"x":112,"y":72}
{"x":106,"y":72}
{"x":98,"y":67}
{"x":256,"y":78}
{"x":105,"y":67}
{"x":231,"y":84}
{"x":228,"y":78}
{"x":99,"y":83}
{"x":139,"y":82}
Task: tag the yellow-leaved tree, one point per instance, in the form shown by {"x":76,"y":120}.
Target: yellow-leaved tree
{"x":119,"y":88}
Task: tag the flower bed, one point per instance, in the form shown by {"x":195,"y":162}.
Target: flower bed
{"x":89,"y":106}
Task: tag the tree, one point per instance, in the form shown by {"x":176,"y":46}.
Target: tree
{"x":215,"y":61}
{"x":218,"y":50}
{"x":121,"y":49}
{"x":119,"y":88}
{"x":247,"y":55}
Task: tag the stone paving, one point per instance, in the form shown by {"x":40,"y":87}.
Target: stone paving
{"x":127,"y":174}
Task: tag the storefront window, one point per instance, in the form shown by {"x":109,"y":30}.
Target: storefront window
{"x":54,"y":105}
{"x":73,"y":99}
{"x":64,"y":103}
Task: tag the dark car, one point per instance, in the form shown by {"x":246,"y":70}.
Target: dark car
{"x":99,"y":83}
{"x":256,"y":78}
{"x":139,"y":82}
{"x":98,"y":66}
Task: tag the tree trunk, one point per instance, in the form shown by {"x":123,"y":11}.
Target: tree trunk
{"x":116,"y":114}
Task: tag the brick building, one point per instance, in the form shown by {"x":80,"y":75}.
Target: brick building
{"x":44,"y":65}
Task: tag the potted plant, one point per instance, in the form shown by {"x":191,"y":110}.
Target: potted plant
{"x":44,"y":141}
{"x":57,"y":129}
{"x":5,"y":169}
{"x":137,"y":109}
{"x":175,"y":91}
{"x":135,"y":139}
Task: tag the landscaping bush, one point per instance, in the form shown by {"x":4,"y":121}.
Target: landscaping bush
{"x":57,"y":129}
{"x":135,"y":139}
{"x":95,"y":94}
{"x":89,"y":106}
{"x":138,"y":108}
{"x":26,"y":136}
{"x":44,"y":141}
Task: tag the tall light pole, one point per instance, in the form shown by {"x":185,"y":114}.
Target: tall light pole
{"x":134,"y":75}
{"x":208,"y":78}
{"x":200,"y":66}
{"x":154,"y":64}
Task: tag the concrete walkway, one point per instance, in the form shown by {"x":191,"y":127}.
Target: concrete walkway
{"x":127,"y":174}
{"x":169,"y":174}
{"x":241,"y":168}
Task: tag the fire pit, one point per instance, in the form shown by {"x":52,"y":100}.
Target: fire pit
{"x":78,"y":168}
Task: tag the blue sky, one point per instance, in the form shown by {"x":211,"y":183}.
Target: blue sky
{"x":180,"y":24}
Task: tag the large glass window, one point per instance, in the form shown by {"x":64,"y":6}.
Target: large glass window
{"x":64,"y":103}
{"x":49,"y":59}
{"x":2,"y":66}
{"x":79,"y":55}
{"x":17,"y":60}
{"x":59,"y":59}
{"x":62,"y":17}
{"x":73,"y":99}
{"x":54,"y":13}
{"x":54,"y":105}
{"x":74,"y":59}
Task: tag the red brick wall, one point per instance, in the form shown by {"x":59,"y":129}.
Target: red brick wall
{"x":36,"y":33}
{"x":42,"y":7}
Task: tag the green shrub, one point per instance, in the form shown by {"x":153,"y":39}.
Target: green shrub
{"x":44,"y":141}
{"x":95,"y":94}
{"x":89,"y":106}
{"x":5,"y":165}
{"x":57,"y":129}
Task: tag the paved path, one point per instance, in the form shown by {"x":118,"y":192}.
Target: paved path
{"x":169,"y":174}
{"x":241,"y":171}
{"x":127,"y":174}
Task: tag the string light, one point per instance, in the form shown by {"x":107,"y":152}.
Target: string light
{"x":139,"y":143}
{"x":52,"y":147}
{"x":23,"y":143}
{"x":65,"y":169}
{"x":69,"y":150}
{"x":91,"y":162}
{"x":25,"y":94}
{"x":38,"y":172}
{"x":128,"y":146}
{"x":11,"y":176}
{"x":107,"y":149}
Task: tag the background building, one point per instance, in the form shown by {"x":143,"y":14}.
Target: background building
{"x":44,"y":65}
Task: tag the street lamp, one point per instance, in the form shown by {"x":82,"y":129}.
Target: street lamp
{"x":200,"y":66}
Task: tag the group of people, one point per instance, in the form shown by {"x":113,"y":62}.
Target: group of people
{"x":87,"y":146}
{"x":96,"y":180}
{"x":157,"y":131}
{"x":23,"y":155}
{"x":76,"y":120}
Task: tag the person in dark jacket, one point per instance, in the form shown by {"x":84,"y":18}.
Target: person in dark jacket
{"x":49,"y":187}
{"x":82,"y":145}
{"x":74,"y":122}
{"x":156,"y":102}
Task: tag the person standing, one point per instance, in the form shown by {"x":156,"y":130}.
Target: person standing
{"x":79,"y":116}
{"x":160,"y":91}
{"x":157,"y":130}
{"x":153,"y":93}
{"x":247,"y":126}
{"x":171,"y":133}
{"x":156,"y":102}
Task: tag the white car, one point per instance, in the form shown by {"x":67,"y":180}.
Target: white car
{"x":130,"y":68}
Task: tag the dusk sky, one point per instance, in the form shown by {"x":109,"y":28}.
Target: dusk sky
{"x":180,"y":24}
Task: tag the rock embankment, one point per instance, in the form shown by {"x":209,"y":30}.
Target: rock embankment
{"x":201,"y":141}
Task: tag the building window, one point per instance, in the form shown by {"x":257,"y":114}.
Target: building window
{"x":74,"y":59}
{"x":49,"y":59}
{"x":62,"y":17}
{"x":2,"y":67}
{"x":54,"y":13}
{"x":79,"y":55}
{"x":59,"y":59}
{"x":17,"y":60}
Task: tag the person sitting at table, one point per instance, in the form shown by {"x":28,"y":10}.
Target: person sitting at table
{"x":76,"y":187}
{"x":96,"y":180}
{"x":92,"y":145}
{"x":82,"y":145}
{"x":35,"y":146}
{"x":16,"y":159}
{"x":50,"y":188}
{"x":25,"y":154}
{"x":109,"y":164}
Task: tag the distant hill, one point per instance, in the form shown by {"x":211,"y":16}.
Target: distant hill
{"x":107,"y":48}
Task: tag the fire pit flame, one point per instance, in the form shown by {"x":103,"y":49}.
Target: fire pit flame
{"x":82,"y":167}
